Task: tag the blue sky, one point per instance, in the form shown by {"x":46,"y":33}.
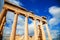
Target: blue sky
{"x":1,"y":4}
{"x":48,"y":8}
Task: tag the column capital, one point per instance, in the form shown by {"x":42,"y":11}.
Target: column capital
{"x":5,"y":8}
{"x":43,"y":22}
{"x":16,"y":12}
{"x":3,"y":13}
{"x":26,"y":15}
{"x":26,"y":27}
{"x":34,"y":18}
{"x":42,"y":29}
{"x":35,"y":29}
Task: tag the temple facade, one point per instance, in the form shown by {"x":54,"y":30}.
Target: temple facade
{"x":38,"y":35}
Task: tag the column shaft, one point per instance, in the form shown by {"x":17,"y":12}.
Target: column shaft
{"x":42,"y":29}
{"x":26,"y":28}
{"x":38,"y":33}
{"x":13,"y":32}
{"x":48,"y":31}
{"x":3,"y":13}
{"x":35,"y":30}
{"x":2,"y":27}
{"x":2,"y":24}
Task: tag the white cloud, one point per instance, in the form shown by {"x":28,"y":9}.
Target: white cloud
{"x":31,"y":27}
{"x":9,"y":21}
{"x":15,"y":2}
{"x":7,"y":30}
{"x":53,"y":21}
{"x":54,"y":33}
{"x":55,"y":12}
{"x":10,"y":15}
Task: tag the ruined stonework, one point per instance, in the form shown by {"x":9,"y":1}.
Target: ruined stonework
{"x":38,"y":35}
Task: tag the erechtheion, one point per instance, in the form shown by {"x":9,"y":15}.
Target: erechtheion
{"x":21,"y":11}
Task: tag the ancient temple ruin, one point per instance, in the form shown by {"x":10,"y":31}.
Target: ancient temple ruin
{"x":21,"y":11}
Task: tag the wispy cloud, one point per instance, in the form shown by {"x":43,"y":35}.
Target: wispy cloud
{"x":54,"y":33}
{"x":15,"y":2}
{"x":55,"y":12}
{"x":55,"y":20}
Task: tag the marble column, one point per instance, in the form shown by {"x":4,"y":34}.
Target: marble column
{"x":2,"y":27}
{"x":2,"y":24}
{"x":48,"y":31}
{"x":39,"y":32}
{"x":35,"y":30}
{"x":14,"y":25}
{"x":3,"y":13}
{"x":26,"y":28}
{"x":42,"y":29}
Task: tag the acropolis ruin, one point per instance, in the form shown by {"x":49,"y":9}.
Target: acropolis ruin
{"x":38,"y":35}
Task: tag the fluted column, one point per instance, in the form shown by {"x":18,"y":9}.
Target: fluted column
{"x":26,"y":28}
{"x":3,"y":13}
{"x":48,"y":31}
{"x":35,"y":30}
{"x":13,"y":32}
{"x":42,"y":29}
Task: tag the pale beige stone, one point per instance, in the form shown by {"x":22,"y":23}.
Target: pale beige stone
{"x":42,"y":29}
{"x":3,"y":13}
{"x":18,"y":11}
{"x":26,"y":28}
{"x":35,"y":30}
{"x":48,"y":31}
{"x":14,"y":25}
